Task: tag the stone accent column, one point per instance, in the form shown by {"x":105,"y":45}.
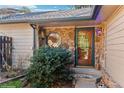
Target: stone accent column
{"x":99,"y":47}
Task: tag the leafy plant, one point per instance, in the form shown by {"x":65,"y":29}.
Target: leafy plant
{"x":49,"y":65}
{"x":12,"y":84}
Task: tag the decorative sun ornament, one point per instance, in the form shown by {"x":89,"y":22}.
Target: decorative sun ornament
{"x":54,"y":40}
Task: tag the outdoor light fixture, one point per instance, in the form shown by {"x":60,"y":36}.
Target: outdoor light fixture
{"x":98,"y":31}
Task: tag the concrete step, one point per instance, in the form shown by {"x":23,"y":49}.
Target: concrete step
{"x":86,"y":77}
{"x":87,"y":71}
{"x":85,"y":83}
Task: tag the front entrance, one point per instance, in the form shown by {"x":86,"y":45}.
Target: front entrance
{"x":85,"y":46}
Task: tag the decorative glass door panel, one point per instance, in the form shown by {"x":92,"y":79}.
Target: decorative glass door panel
{"x":84,"y":47}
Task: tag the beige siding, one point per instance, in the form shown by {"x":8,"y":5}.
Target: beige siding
{"x":22,"y":35}
{"x":115,"y":48}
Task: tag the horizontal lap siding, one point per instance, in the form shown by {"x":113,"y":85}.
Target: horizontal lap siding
{"x":115,"y":48}
{"x":22,"y":35}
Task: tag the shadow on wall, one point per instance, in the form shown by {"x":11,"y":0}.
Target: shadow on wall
{"x":23,"y":62}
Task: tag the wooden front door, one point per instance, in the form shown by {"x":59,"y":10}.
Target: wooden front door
{"x":84,"y":47}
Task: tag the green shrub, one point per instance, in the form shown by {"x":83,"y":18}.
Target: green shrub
{"x":49,"y":65}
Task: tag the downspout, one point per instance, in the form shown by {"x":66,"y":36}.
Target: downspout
{"x":34,"y":36}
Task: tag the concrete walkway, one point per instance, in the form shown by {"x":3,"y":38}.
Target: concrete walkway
{"x":85,"y":83}
{"x":86,"y":77}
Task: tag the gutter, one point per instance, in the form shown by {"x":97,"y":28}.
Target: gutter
{"x":47,"y":20}
{"x":34,"y":37}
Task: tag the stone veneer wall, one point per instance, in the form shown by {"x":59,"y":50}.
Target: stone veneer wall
{"x":67,"y":36}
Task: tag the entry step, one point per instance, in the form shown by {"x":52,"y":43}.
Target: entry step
{"x":87,"y":71}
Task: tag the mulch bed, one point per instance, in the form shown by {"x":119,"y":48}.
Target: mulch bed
{"x":68,"y":84}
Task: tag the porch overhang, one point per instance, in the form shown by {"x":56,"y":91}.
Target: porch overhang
{"x":89,"y":13}
{"x":77,"y":17}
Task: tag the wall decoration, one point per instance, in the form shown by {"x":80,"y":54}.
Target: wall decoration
{"x":54,"y":39}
